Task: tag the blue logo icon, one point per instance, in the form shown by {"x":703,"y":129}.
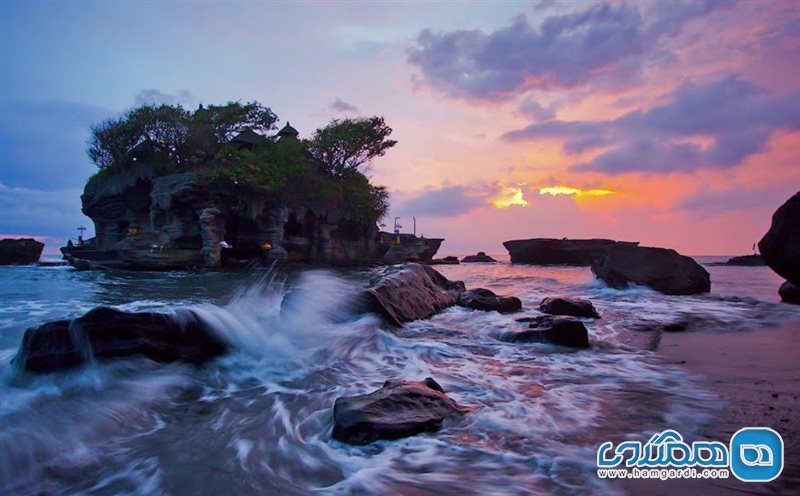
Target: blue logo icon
{"x":756,"y":454}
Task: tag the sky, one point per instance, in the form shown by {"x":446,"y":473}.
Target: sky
{"x":675,"y":124}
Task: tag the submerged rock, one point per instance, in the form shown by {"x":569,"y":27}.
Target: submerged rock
{"x":21,"y":251}
{"x":662,"y":269}
{"x":780,"y":247}
{"x":110,"y":333}
{"x":789,"y":293}
{"x":549,"y":251}
{"x":563,"y":331}
{"x":480,"y":257}
{"x":566,"y":305}
{"x":746,"y":261}
{"x":407,"y":292}
{"x":398,"y":409}
{"x":486,"y":300}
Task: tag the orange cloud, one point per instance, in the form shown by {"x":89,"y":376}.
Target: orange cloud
{"x":508,"y":196}
{"x":576,"y":193}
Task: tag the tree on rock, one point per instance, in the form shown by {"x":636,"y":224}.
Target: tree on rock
{"x":345,"y":145}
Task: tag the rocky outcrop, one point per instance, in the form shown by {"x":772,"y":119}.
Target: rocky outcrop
{"x":662,"y":269}
{"x":746,"y":261}
{"x":407,"y":292}
{"x":451,"y":260}
{"x":487,"y":301}
{"x":21,"y":251}
{"x":566,"y":305}
{"x":398,"y":248}
{"x":105,"y":333}
{"x":399,"y":409}
{"x":146,"y":221}
{"x":780,"y":247}
{"x":563,"y":331}
{"x":480,"y":257}
{"x":789,"y":293}
{"x":548,"y":251}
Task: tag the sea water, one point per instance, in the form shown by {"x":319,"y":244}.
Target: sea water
{"x":259,"y":420}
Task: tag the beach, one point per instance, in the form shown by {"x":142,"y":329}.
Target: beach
{"x":756,"y":374}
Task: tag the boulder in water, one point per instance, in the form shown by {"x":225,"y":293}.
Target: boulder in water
{"x":662,"y":269}
{"x":789,"y":293}
{"x":451,"y":260}
{"x":563,"y":331}
{"x":106,"y":332}
{"x":780,"y":247}
{"x":549,"y":251}
{"x":486,"y":300}
{"x":407,"y":292}
{"x":566,"y":305}
{"x":21,"y":251}
{"x":398,"y":409}
{"x":480,"y":257}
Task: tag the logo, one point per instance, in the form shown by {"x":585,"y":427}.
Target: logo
{"x":756,"y":454}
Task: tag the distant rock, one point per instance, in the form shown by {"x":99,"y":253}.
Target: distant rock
{"x":399,"y":409}
{"x":563,"y":331}
{"x":789,"y":293}
{"x":486,"y":300}
{"x":21,"y":251}
{"x":444,"y":261}
{"x":566,"y":305}
{"x":480,"y":257}
{"x":746,"y":260}
{"x":662,"y":269}
{"x":549,"y":251}
{"x":105,"y":333}
{"x":780,"y":247}
{"x":407,"y":292}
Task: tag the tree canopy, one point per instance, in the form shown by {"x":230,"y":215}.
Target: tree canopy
{"x":346,"y":145}
{"x":324,"y":170}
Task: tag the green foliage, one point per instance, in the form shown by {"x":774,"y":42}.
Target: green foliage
{"x":345,"y":145}
{"x":319,"y":173}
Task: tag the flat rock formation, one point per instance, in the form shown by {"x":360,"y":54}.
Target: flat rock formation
{"x":105,"y":333}
{"x":407,"y":292}
{"x":560,"y":330}
{"x":21,"y":251}
{"x":780,"y":247}
{"x":486,"y":300}
{"x":480,"y":257}
{"x":549,"y":251}
{"x":399,"y":409}
{"x":746,"y":261}
{"x":567,"y":305}
{"x":789,"y":293}
{"x":451,"y":260}
{"x":662,"y":269}
{"x":409,"y":249}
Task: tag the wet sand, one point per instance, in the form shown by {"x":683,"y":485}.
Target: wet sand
{"x":757,"y":376}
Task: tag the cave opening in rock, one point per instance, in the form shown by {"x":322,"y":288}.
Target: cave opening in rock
{"x":243,"y":235}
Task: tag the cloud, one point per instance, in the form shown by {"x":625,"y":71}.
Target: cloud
{"x":509,"y":196}
{"x":576,"y":193}
{"x":717,"y":124}
{"x":44,"y":144}
{"x":563,"y":51}
{"x":535,"y":111}
{"x":41,"y":212}
{"x":342,"y":106}
{"x":151,"y":96}
{"x":444,"y":201}
{"x":704,"y":203}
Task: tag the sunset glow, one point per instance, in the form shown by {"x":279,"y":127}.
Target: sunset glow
{"x":575,"y":192}
{"x":508,"y":196}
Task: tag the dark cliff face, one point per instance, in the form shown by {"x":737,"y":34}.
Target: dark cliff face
{"x":175,"y":221}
